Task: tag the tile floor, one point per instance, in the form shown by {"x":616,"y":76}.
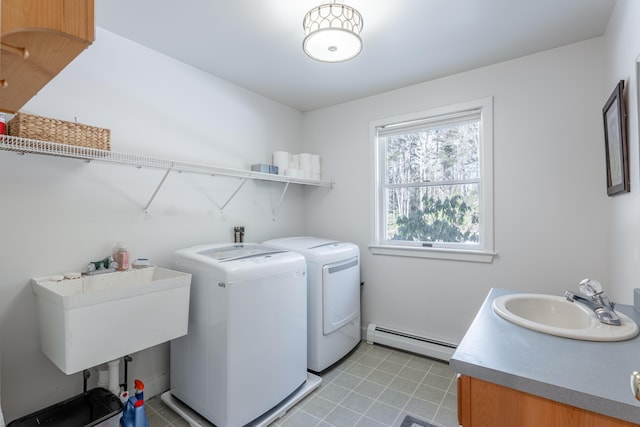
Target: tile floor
{"x":374,"y":386}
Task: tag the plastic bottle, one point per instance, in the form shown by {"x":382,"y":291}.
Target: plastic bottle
{"x":122,"y":258}
{"x":133,"y":414}
{"x":3,"y":124}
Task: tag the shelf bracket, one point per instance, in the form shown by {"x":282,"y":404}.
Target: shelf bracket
{"x":153,"y":196}
{"x":277,"y":208}
{"x":244,"y":180}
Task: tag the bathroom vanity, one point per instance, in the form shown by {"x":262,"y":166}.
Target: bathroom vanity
{"x":514,"y":376}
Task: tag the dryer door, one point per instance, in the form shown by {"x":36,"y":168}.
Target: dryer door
{"x":340,"y":294}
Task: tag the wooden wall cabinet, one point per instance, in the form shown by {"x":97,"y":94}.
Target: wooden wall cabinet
{"x":484,"y":404}
{"x":38,"y":39}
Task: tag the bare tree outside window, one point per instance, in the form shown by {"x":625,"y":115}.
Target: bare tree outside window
{"x":432,"y":178}
{"x":433,"y":183}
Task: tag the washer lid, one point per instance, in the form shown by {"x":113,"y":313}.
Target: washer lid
{"x":301,"y":242}
{"x":240,"y":251}
{"x":316,"y":249}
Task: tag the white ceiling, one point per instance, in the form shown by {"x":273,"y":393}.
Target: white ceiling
{"x":257,"y":44}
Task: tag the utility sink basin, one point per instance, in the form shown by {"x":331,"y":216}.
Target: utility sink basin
{"x":90,"y":320}
{"x":555,"y":315}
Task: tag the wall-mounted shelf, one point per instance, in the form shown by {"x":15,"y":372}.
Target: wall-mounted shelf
{"x":32,"y":146}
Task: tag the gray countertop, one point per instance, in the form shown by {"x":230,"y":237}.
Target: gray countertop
{"x":589,"y":375}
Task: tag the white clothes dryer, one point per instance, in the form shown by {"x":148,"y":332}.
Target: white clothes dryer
{"x":245,"y":349}
{"x":333,"y":297}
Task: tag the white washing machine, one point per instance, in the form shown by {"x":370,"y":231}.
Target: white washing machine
{"x":245,"y":350}
{"x":333,"y":277}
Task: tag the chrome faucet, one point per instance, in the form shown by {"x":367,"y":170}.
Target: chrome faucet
{"x":597,"y":301}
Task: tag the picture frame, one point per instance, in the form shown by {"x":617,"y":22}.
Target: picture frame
{"x":615,"y":141}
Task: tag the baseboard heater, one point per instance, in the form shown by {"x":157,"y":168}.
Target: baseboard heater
{"x":409,"y":342}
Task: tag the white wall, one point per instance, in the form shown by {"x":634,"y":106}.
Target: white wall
{"x":622,"y":51}
{"x":550,"y":198}
{"x":57,"y":214}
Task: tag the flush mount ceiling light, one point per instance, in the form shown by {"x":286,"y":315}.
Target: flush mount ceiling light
{"x":332,"y":33}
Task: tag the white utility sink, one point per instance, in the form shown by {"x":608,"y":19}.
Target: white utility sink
{"x":90,"y":320}
{"x":555,"y":315}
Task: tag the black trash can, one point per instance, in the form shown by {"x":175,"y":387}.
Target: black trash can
{"x":96,"y":406}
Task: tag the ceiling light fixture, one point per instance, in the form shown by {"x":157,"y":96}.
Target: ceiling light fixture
{"x":332,"y":32}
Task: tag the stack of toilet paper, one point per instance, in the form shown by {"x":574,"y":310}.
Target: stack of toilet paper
{"x":303,"y":165}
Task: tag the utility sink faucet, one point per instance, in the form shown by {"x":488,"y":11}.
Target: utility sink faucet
{"x":597,"y":301}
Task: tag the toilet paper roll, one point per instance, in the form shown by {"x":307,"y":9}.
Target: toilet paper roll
{"x":306,"y":174}
{"x":305,"y":161}
{"x":315,"y":168}
{"x":294,"y":161}
{"x":315,"y":176}
{"x":315,"y":159}
{"x":293,"y":173}
{"x":281,"y":160}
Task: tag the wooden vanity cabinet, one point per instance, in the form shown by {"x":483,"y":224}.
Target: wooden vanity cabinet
{"x":484,"y":404}
{"x":38,"y":39}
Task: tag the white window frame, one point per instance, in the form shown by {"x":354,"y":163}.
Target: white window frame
{"x":484,"y":251}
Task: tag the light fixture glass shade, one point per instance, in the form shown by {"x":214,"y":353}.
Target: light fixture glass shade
{"x":332,"y":33}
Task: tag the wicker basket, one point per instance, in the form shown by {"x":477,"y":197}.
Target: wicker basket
{"x":53,"y":130}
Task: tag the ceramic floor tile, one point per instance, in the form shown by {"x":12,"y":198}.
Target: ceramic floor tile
{"x":318,"y":406}
{"x":421,"y":408}
{"x":390,"y":367}
{"x":334,"y":393}
{"x":437,"y":381}
{"x":398,"y":357}
{"x":330,"y":375}
{"x":370,"y":389}
{"x":357,"y":402}
{"x":446,"y":417}
{"x":358,"y":370}
{"x":421,"y":363}
{"x":443,"y":370}
{"x":404,"y":385}
{"x":342,"y":417}
{"x":369,"y":422}
{"x":379,"y":351}
{"x":369,"y":360}
{"x":375,"y":386}
{"x":301,"y":419}
{"x":431,"y":394}
{"x":450,"y":401}
{"x":382,"y":412}
{"x":347,"y":381}
{"x":412,"y":374}
{"x":394,"y":398}
{"x":380,"y":377}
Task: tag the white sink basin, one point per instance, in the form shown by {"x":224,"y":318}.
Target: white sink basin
{"x":91,"y":320}
{"x":555,"y":315}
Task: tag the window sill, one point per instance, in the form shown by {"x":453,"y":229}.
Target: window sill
{"x":433,"y":253}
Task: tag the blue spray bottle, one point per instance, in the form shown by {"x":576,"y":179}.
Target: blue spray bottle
{"x":134,"y":414}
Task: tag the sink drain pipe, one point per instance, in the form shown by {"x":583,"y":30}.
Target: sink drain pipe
{"x":114,"y":384}
{"x":114,"y":377}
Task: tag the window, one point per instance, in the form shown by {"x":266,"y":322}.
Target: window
{"x":433,"y":183}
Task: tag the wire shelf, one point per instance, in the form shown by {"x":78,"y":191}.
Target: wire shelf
{"x":33,"y":146}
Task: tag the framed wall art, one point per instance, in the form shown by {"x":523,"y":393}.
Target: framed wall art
{"x":615,"y":141}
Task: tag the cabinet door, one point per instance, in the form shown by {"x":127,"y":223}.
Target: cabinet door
{"x":39,"y":38}
{"x":484,"y":404}
{"x":464,"y":401}
{"x":72,"y":17}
